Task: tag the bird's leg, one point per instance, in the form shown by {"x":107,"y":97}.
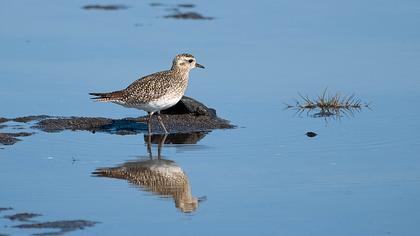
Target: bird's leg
{"x":161,"y":123}
{"x":149,"y":122}
{"x":149,"y":145}
{"x":161,"y":143}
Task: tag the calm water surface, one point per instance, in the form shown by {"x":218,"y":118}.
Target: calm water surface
{"x":359,"y":176}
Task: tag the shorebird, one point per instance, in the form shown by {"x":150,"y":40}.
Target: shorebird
{"x":155,"y":92}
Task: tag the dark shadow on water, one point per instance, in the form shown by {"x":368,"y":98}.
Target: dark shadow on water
{"x":160,"y":176}
{"x":180,"y":138}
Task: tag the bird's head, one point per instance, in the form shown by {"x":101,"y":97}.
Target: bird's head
{"x":185,"y":62}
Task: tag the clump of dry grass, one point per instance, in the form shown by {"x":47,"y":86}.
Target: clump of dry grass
{"x":327,"y":105}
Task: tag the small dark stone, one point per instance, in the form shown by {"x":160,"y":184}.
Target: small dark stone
{"x":311,"y":134}
{"x":21,"y":216}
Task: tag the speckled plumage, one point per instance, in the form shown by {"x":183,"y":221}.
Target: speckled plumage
{"x":162,"y":177}
{"x":157,"y":91}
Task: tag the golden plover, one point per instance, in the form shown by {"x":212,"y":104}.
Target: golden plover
{"x":160,"y":176}
{"x":157,"y":91}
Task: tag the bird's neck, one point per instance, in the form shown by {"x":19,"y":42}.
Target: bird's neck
{"x":180,"y":70}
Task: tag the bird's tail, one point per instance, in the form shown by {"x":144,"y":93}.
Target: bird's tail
{"x":107,"y":97}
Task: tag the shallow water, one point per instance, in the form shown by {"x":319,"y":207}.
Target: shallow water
{"x":359,"y":176}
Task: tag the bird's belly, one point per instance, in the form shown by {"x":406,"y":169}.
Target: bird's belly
{"x":160,"y":104}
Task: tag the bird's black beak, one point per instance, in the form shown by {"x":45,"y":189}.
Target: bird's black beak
{"x":199,"y":66}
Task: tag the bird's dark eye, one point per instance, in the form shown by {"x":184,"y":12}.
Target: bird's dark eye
{"x":190,"y":60}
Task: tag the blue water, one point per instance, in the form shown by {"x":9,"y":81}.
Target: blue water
{"x":359,"y":176}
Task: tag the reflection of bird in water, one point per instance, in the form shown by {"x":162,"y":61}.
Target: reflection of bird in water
{"x":159,"y":176}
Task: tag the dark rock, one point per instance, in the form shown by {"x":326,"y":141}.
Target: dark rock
{"x":2,"y":120}
{"x":191,"y":106}
{"x":64,"y":226}
{"x":112,"y":7}
{"x":311,"y":134}
{"x":21,"y":216}
{"x":188,"y":16}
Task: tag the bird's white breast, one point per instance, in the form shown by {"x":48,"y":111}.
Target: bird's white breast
{"x":161,"y":103}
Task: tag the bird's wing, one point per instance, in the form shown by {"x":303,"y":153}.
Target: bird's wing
{"x":149,"y":87}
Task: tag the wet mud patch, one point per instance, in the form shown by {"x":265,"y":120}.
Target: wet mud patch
{"x":188,"y":115}
{"x":24,"y":119}
{"x":177,"y":12}
{"x":110,"y":7}
{"x":5,"y":209}
{"x":181,"y":5}
{"x":21,"y":216}
{"x":62,"y":226}
{"x":188,"y":16}
{"x":58,"y":227}
{"x":11,"y":138}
